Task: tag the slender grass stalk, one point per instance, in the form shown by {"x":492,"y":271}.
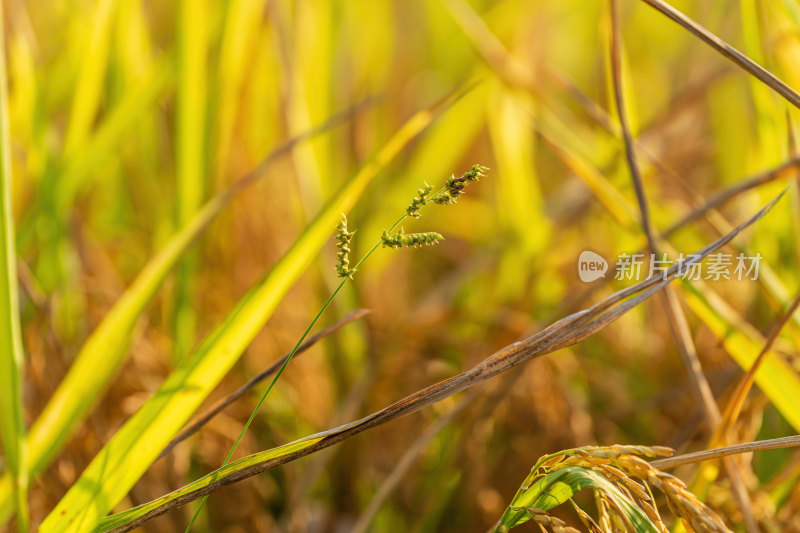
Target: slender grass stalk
{"x":445,"y":195}
{"x":221,"y":404}
{"x":792,"y":441}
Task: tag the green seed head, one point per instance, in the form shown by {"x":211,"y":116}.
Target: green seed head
{"x":343,"y":238}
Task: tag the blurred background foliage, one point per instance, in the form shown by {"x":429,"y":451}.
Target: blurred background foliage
{"x":127,"y":115}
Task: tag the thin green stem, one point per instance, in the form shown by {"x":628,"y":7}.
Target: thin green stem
{"x":267,"y":391}
{"x":291,"y":355}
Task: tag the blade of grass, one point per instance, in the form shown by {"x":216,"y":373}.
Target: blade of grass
{"x":563,"y":333}
{"x":27,"y":89}
{"x":307,"y":64}
{"x":771,"y":137}
{"x":775,"y":377}
{"x":105,"y":349}
{"x":777,"y":20}
{"x":137,"y":444}
{"x":736,"y":402}
{"x":513,"y":139}
{"x":190,"y":146}
{"x":12,"y":357}
{"x":91,"y":77}
{"x":727,"y":50}
{"x":782,"y":171}
{"x":770,"y":131}
{"x":242,"y":18}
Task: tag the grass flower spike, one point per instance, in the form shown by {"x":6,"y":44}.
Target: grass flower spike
{"x":452,"y":189}
{"x":455,"y":186}
{"x":343,"y":238}
{"x":401,"y":239}
{"x":419,"y":201}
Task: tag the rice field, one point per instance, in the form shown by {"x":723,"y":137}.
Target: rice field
{"x":399,"y":265}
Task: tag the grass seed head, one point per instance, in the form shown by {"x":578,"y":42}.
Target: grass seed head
{"x":420,"y":200}
{"x":343,"y":238}
{"x":400,"y":239}
{"x":455,"y":186}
